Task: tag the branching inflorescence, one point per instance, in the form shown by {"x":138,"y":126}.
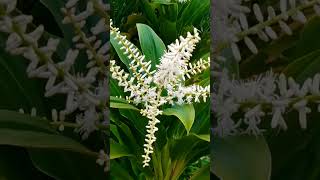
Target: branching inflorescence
{"x":268,"y":95}
{"x":232,"y":26}
{"x":147,"y":86}
{"x":86,"y":91}
{"x":240,"y":106}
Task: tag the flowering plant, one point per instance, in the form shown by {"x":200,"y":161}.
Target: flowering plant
{"x":266,"y":94}
{"x":159,"y":100}
{"x":55,"y":75}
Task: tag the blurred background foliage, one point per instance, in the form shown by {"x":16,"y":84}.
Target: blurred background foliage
{"x":31,"y":148}
{"x":292,"y":154}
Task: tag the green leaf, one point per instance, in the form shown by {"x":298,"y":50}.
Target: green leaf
{"x":168,"y":17}
{"x":193,"y":13}
{"x":186,"y":150}
{"x":152,"y":46}
{"x":117,"y":99}
{"x":66,"y":165}
{"x":115,"y":132}
{"x":304,"y":67}
{"x":12,"y":119}
{"x":202,"y":120}
{"x":241,"y":158}
{"x":205,"y":137}
{"x":124,"y":58}
{"x":185,"y":113}
{"x":55,"y":9}
{"x":33,"y":139}
{"x":307,"y":41}
{"x":119,"y":172}
{"x":135,"y":117}
{"x":117,"y":150}
{"x":187,"y":145}
{"x":17,"y":90}
{"x":124,"y":134}
{"x":123,"y":106}
{"x":150,"y":11}
{"x":68,"y":32}
{"x":115,"y":90}
{"x":202,"y":173}
{"x":47,"y":148}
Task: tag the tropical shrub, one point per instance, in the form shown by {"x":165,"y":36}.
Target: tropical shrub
{"x":159,"y":90}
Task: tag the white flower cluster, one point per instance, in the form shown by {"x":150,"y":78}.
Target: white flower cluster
{"x":103,"y":159}
{"x":183,"y":1}
{"x":86,"y":92}
{"x":225,"y":17}
{"x":265,"y":97}
{"x":231,"y":24}
{"x":269,"y":96}
{"x":146,"y":86}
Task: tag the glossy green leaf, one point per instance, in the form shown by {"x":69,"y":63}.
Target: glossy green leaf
{"x":185,"y":113}
{"x":17,"y":90}
{"x":117,"y":150}
{"x":205,"y":137}
{"x":66,"y":165}
{"x":115,"y":132}
{"x":202,"y":174}
{"x":188,"y":145}
{"x":117,"y":99}
{"x":68,"y":32}
{"x":55,"y":9}
{"x":307,"y":41}
{"x":17,"y":120}
{"x":115,"y":90}
{"x":305,"y":56}
{"x":194,"y":12}
{"x":303,"y":67}
{"x":150,"y":11}
{"x":123,"y":106}
{"x":135,"y":117}
{"x":34,"y":139}
{"x":124,"y":58}
{"x":186,"y":149}
{"x":119,"y":172}
{"x":241,"y":158}
{"x":152,"y":46}
{"x":202,"y":120}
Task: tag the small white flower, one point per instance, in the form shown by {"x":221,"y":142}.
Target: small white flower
{"x":103,"y":159}
{"x":303,"y":110}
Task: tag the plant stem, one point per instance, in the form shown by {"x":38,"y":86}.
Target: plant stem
{"x":268,"y":106}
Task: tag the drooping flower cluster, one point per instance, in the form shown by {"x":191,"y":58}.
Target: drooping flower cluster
{"x":266,"y":98}
{"x":147,"y":86}
{"x":86,"y":92}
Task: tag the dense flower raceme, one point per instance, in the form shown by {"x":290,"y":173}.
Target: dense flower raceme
{"x":231,"y":24}
{"x":86,"y":92}
{"x":146,"y":85}
{"x":267,"y":97}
